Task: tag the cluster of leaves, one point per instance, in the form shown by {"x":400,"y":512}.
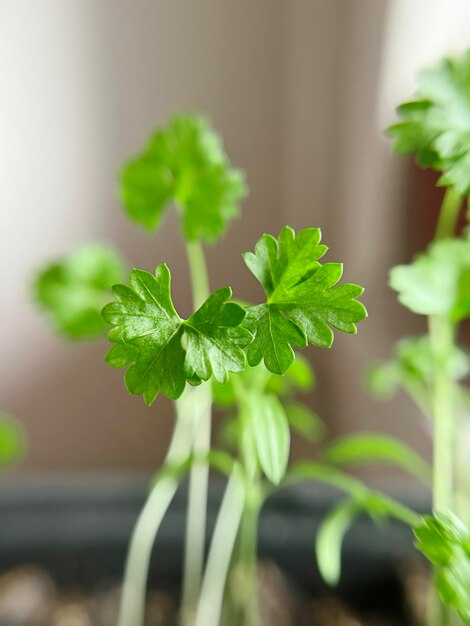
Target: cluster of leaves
{"x":435,"y":126}
{"x":258,"y":424}
{"x":445,"y":541}
{"x":163,"y":352}
{"x":184,"y":163}
{"x":253,"y":410}
{"x":73,"y":290}
{"x":264,"y":404}
{"x":438,"y":280}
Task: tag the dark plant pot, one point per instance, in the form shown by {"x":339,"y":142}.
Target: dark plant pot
{"x":78,"y":529}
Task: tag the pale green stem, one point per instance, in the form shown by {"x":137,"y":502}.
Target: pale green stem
{"x":197,"y":504}
{"x":441,"y":334}
{"x":449,"y":214}
{"x":248,"y":564}
{"x":199,"y":476}
{"x":132,"y":607}
{"x":220,"y":553}
{"x":198,"y":273}
{"x":132,"y":610}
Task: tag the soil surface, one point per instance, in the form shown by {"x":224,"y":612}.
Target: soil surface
{"x":29,"y":597}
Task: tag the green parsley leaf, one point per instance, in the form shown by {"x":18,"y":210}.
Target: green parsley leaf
{"x":436,"y":125}
{"x":216,"y":339}
{"x":271,"y":435}
{"x":303,"y":301}
{"x":437,"y":282}
{"x":73,"y":290}
{"x":148,"y":334}
{"x":305,"y":422}
{"x":150,"y":337}
{"x":329,"y":539}
{"x":445,"y":541}
{"x":300,"y":376}
{"x":284,"y":263}
{"x":338,"y":521}
{"x":184,"y":163}
{"x":377,"y":448}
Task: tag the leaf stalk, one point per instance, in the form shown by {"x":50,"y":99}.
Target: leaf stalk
{"x":199,"y":475}
{"x":448,"y":214}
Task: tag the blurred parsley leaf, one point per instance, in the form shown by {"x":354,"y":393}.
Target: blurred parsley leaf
{"x":337,"y":522}
{"x":370,"y":447}
{"x":73,"y":290}
{"x":299,"y":377}
{"x":149,"y":337}
{"x":303,"y":301}
{"x":184,"y":163}
{"x":411,"y":365}
{"x":12,"y":439}
{"x":437,"y":282}
{"x":445,"y":541}
{"x":436,"y":124}
{"x":271,"y":435}
{"x":305,"y":422}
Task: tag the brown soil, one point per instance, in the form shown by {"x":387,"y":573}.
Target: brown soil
{"x":29,"y":597}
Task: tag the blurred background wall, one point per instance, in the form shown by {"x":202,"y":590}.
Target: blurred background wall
{"x":300,"y":91}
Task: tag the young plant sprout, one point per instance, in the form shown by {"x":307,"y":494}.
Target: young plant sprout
{"x":164,"y":352}
{"x":184,"y":165}
{"x":435,"y":127}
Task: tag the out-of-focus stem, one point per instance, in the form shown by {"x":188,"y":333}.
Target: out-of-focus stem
{"x":132,"y":607}
{"x":449,"y":214}
{"x":220,"y":553}
{"x":199,"y":476}
{"x":441,"y":333}
{"x":248,"y":563}
{"x":197,"y":504}
{"x":198,"y":273}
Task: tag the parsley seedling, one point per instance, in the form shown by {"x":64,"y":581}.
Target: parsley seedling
{"x":435,"y":127}
{"x":184,"y":165}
